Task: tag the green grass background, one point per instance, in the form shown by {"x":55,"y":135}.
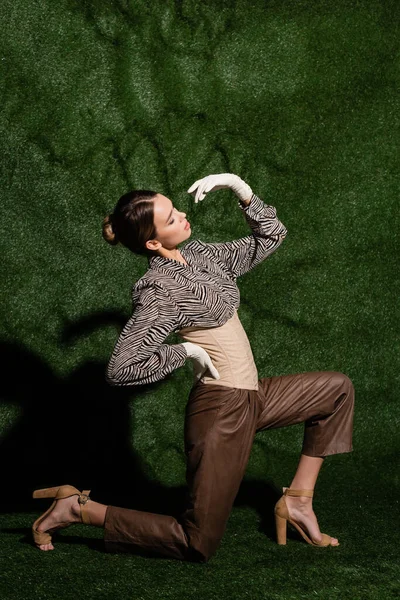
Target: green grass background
{"x":299,"y":98}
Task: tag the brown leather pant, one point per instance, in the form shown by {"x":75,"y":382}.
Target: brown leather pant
{"x":220,"y":424}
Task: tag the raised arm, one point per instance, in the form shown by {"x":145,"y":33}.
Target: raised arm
{"x":243,"y":254}
{"x":140,"y":356}
{"x":267,"y":231}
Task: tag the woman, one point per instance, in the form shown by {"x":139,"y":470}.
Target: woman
{"x":192,"y":291}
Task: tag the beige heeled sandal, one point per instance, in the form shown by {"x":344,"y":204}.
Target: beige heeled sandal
{"x":282,"y":518}
{"x":62,"y":491}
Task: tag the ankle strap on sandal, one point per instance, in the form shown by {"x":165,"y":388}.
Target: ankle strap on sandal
{"x":83,"y":498}
{"x":307,"y":493}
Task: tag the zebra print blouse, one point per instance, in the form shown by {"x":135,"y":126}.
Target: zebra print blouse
{"x":204,"y":293}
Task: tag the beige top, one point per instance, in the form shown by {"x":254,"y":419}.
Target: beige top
{"x":230,"y":352}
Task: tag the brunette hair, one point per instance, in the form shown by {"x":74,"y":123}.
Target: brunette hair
{"x":132,"y":222}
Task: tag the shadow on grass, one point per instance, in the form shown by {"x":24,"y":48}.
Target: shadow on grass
{"x":74,"y":430}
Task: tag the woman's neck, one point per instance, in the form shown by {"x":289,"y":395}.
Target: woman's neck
{"x":172,"y":254}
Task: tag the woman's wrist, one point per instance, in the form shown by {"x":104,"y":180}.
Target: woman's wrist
{"x":242,"y":190}
{"x":245,"y":202}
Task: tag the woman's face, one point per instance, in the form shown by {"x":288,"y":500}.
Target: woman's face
{"x":170,"y":225}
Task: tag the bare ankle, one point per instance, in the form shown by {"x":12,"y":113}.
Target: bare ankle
{"x":304,"y":499}
{"x":301,"y":502}
{"x":75,"y":507}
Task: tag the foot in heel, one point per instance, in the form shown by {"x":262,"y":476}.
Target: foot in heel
{"x":300,"y":512}
{"x":65,"y":512}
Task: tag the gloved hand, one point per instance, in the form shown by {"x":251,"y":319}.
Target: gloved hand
{"x":218,"y":182}
{"x":201,"y":361}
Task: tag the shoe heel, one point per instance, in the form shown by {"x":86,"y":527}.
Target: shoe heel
{"x":46,"y":493}
{"x":281,"y":530}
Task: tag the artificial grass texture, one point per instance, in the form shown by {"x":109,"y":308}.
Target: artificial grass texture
{"x":299,"y":98}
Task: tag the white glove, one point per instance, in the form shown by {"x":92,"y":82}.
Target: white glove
{"x":218,"y":182}
{"x":201,"y":361}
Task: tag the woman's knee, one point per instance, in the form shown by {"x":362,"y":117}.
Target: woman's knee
{"x":343,"y":390}
{"x":203,"y":548}
{"x":340,"y":381}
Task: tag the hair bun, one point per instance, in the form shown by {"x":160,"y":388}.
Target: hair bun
{"x":108,"y":231}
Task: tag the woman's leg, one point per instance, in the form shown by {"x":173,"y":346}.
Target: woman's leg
{"x":68,"y":511}
{"x":217,"y":458}
{"x":219,"y":432}
{"x":220,"y":426}
{"x":300,"y":508}
{"x":307,"y":472}
{"x":325,"y":402}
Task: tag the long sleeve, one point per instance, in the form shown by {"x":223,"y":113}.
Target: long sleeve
{"x":140,"y":356}
{"x":245,"y":253}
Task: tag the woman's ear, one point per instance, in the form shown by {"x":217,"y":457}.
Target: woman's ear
{"x":153,"y":245}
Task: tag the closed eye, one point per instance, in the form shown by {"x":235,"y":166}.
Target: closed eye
{"x":172,"y":219}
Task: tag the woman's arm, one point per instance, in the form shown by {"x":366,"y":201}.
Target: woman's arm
{"x":245,"y":253}
{"x":140,"y":356}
